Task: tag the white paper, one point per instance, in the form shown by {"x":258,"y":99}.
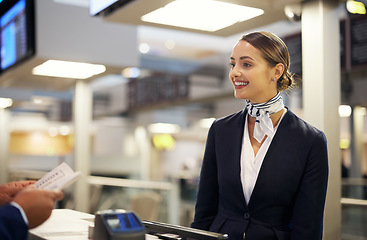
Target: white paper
{"x":58,"y":178}
{"x":63,"y":224}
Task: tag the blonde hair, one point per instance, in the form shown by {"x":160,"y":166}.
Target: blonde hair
{"x":274,"y":51}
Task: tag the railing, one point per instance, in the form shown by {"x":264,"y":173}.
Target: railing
{"x":355,"y":192}
{"x":172,"y":189}
{"x":353,"y":202}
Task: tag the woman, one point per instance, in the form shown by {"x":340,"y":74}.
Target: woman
{"x":264,"y":173}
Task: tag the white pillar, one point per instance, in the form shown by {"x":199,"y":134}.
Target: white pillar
{"x":142,"y":138}
{"x":357,"y":142}
{"x":4,"y":145}
{"x":321,"y":94}
{"x":82,"y":112}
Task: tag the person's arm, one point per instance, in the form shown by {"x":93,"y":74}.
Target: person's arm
{"x":207,"y":199}
{"x":29,"y":208}
{"x":308,"y":214}
{"x":9,"y":190}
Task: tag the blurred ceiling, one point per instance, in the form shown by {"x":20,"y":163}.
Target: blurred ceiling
{"x":191,"y":46}
{"x":273,"y":12}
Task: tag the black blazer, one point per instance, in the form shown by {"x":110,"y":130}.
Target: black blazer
{"x":12,"y":225}
{"x":289,"y":195}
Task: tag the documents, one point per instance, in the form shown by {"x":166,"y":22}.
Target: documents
{"x":58,"y":178}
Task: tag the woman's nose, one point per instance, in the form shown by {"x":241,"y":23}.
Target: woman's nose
{"x":235,"y":73}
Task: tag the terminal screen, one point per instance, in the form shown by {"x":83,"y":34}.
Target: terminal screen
{"x":13,"y":35}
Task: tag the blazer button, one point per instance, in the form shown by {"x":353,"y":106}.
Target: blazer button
{"x":247,"y":216}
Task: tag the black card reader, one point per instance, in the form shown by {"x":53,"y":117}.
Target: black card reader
{"x":118,"y":225}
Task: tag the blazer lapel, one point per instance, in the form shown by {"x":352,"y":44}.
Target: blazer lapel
{"x":275,"y":151}
{"x":238,"y":156}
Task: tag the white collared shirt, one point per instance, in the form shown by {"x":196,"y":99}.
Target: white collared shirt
{"x":251,"y":164}
{"x":24,"y":216}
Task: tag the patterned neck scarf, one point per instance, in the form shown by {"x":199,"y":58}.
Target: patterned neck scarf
{"x":262,"y":112}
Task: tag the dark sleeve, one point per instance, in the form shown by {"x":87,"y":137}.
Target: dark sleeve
{"x":12,"y":225}
{"x":308,"y":214}
{"x":207,"y":199}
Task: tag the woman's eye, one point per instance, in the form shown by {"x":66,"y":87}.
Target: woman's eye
{"x":231,"y":65}
{"x":247,"y":65}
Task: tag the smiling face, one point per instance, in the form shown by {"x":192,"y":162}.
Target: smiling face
{"x":251,"y":75}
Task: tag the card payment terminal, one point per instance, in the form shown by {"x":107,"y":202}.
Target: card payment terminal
{"x":117,"y":225}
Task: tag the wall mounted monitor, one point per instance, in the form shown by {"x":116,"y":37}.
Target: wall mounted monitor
{"x":17,"y":32}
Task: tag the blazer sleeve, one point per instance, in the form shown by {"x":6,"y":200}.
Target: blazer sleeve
{"x":12,"y":225}
{"x":308,"y":214}
{"x":207,"y":199}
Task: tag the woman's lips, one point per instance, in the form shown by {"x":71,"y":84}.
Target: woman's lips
{"x":240,"y":84}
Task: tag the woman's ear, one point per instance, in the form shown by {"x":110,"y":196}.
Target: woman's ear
{"x":279,"y":69}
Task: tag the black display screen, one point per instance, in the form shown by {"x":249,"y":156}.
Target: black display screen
{"x":124,"y":222}
{"x":16,"y":32}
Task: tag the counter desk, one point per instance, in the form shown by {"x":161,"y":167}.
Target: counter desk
{"x":66,"y":224}
{"x":63,"y":224}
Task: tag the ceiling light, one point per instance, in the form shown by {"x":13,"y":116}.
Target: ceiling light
{"x":163,"y":141}
{"x":345,"y":110}
{"x":37,"y":101}
{"x":293,"y":11}
{"x":206,"y":15}
{"x":169,"y":44}
{"x":42,"y":100}
{"x":144,"y":48}
{"x":64,"y":130}
{"x":131,"y":72}
{"x":5,"y":102}
{"x":163,"y":128}
{"x":52,"y":131}
{"x":65,"y":69}
{"x":344,"y":143}
{"x":356,"y":7}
